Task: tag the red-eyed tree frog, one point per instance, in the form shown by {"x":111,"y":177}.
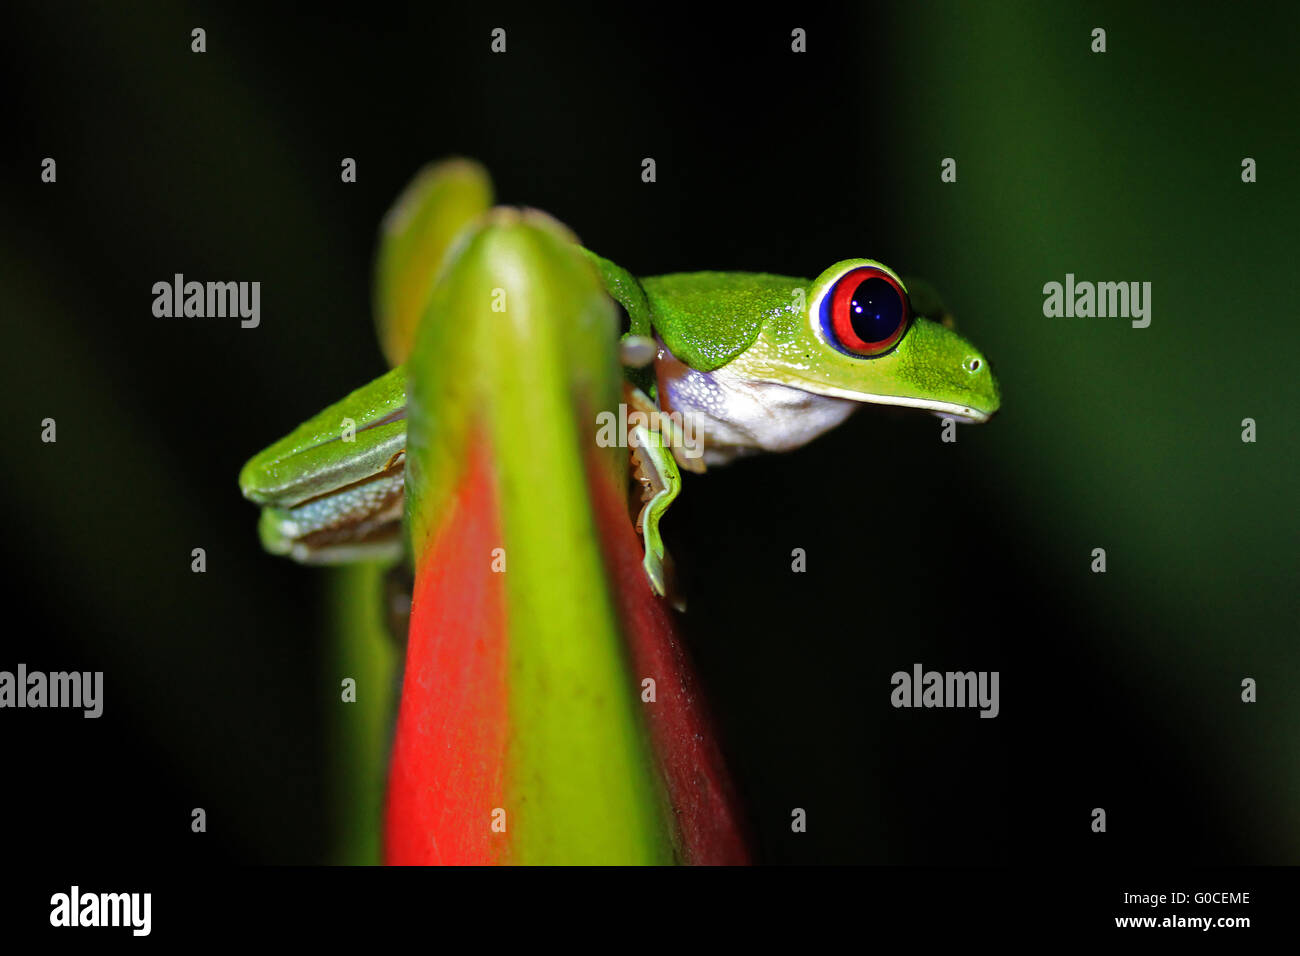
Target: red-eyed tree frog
{"x":720,"y":364}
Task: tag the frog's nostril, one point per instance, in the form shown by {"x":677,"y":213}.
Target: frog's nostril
{"x":974,"y":364}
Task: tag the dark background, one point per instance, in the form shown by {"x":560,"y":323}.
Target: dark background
{"x":1118,"y":691}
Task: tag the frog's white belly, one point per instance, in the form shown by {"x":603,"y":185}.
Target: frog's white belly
{"x":731,"y":415}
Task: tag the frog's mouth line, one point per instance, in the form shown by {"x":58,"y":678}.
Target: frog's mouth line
{"x":959,"y":413}
{"x":962,"y":413}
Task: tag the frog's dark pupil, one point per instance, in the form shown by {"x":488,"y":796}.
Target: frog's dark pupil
{"x":875,"y":309}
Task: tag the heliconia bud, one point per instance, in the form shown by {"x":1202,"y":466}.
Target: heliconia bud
{"x":522,"y":735}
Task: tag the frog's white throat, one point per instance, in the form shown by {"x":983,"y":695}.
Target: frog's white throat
{"x":729,"y":414}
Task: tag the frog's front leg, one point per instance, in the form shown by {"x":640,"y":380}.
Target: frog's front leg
{"x":655,"y":468}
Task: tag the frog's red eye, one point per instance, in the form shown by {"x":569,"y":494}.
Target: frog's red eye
{"x":864,"y":312}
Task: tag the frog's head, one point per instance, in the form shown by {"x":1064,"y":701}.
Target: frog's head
{"x":857,"y":338}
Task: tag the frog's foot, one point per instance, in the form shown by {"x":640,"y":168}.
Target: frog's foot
{"x":666,"y":425}
{"x":359,"y":522}
{"x":655,"y":468}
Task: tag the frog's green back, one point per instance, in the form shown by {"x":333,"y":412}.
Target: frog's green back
{"x":708,"y":318}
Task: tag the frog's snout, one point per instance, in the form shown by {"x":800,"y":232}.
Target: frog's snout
{"x":983,"y":383}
